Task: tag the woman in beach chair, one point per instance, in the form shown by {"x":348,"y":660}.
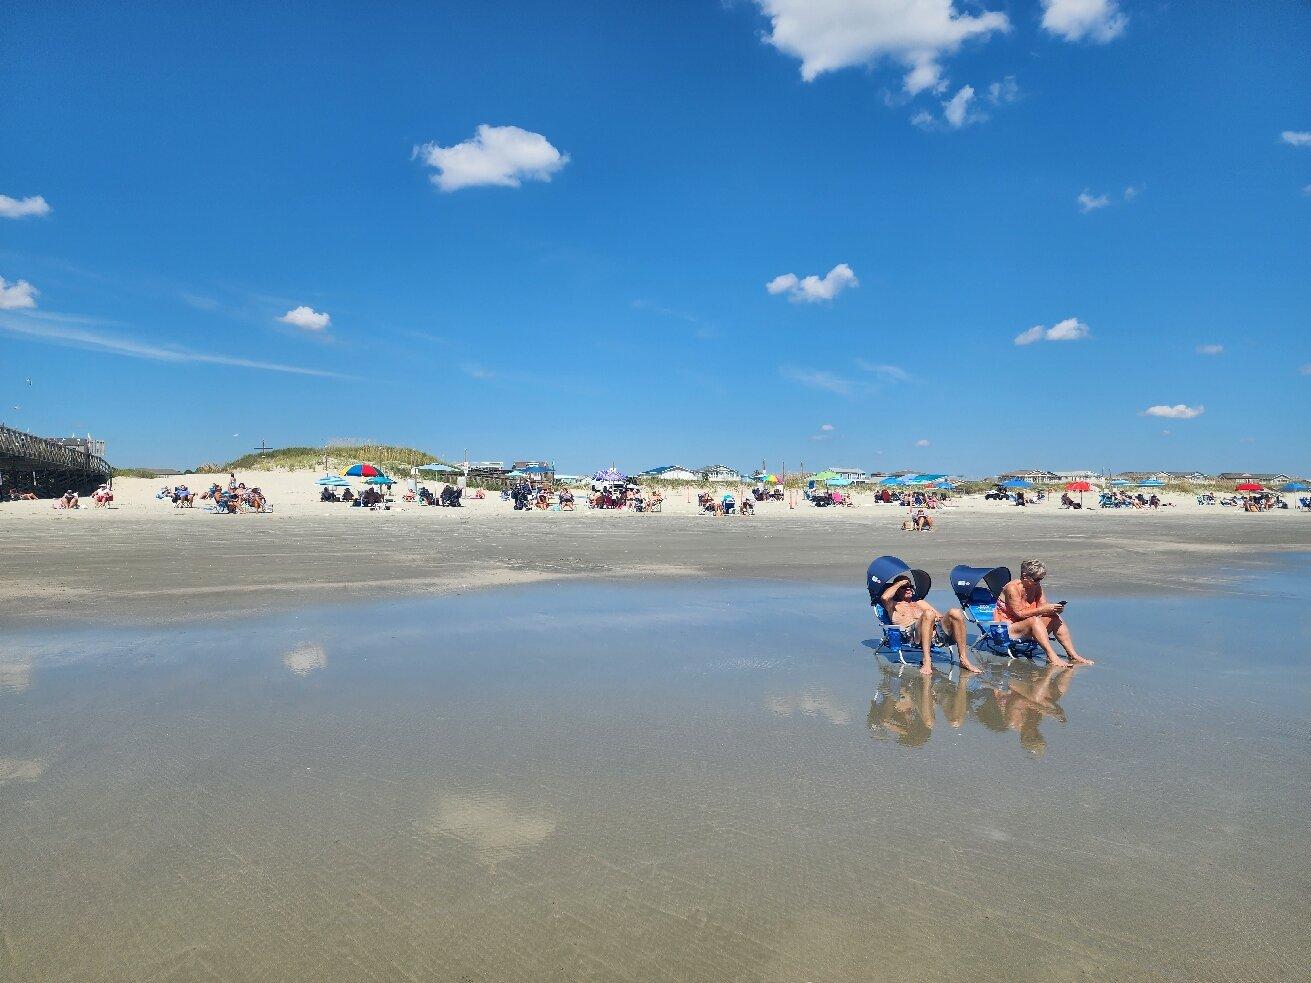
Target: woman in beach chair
{"x":748,"y":507}
{"x":1024,"y":608}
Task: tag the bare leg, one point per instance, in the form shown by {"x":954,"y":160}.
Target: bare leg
{"x":1035,"y":628}
{"x":926,"y":642}
{"x":956,"y":625}
{"x":1067,"y":643}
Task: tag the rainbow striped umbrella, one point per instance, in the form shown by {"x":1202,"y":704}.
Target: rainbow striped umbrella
{"x":362,"y":471}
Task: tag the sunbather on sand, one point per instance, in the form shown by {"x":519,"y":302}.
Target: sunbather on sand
{"x":925,"y":624}
{"x":1025,"y":608}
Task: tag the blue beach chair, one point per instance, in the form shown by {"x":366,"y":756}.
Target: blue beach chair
{"x":896,"y":640}
{"x":977,"y":589}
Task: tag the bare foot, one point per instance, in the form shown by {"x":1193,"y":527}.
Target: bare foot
{"x":926,"y":669}
{"x":969,"y":666}
{"x":1056,"y":660}
{"x":1079,"y":660}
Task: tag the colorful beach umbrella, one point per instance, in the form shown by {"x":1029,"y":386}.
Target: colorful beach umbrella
{"x":1017,"y":483}
{"x":1296,"y":486}
{"x":1249,"y":486}
{"x":610,"y":474}
{"x":362,"y":471}
{"x":1078,"y":486}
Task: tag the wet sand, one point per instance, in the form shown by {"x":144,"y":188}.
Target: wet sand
{"x":179,"y":566}
{"x":677,"y":781}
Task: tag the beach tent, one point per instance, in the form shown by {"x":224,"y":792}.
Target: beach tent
{"x":1017,"y":483}
{"x":610,"y":475}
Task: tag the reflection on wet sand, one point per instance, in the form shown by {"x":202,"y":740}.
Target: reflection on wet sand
{"x":305,"y":659}
{"x":1013,"y":698}
{"x":15,"y":673}
{"x":20,"y":770}
{"x":492,"y":827}
{"x":811,"y":702}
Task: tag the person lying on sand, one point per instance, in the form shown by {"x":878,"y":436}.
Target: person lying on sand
{"x":924,"y":624}
{"x":1024,"y":607}
{"x":919,"y":521}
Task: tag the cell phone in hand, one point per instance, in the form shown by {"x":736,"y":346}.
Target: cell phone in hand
{"x":1062,"y":603}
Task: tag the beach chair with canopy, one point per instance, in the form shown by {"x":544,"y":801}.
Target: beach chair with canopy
{"x":896,"y":640}
{"x":977,"y":589}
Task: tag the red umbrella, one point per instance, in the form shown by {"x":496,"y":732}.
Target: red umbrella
{"x":1250,"y":486}
{"x":1079,"y":486}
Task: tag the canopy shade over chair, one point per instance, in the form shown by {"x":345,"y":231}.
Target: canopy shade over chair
{"x":886,"y":569}
{"x":979,"y":585}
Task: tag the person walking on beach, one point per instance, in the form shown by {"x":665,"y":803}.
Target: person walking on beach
{"x":1024,"y":607}
{"x":925,"y":624}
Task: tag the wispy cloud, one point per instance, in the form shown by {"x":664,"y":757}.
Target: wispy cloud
{"x":922,"y":442}
{"x":1071,"y":329}
{"x":476,"y":371}
{"x":821,"y":379}
{"x":814,"y":289}
{"x":1179,"y":411}
{"x":500,"y":156}
{"x":958,"y":111}
{"x":73,"y":337}
{"x":1133,"y":191}
{"x":888,"y":373}
{"x":34,"y":206}
{"x":1089,"y":202}
{"x":1210,"y":349}
{"x":1296,"y":138}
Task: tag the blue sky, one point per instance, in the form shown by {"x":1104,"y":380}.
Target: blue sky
{"x":622,"y":276}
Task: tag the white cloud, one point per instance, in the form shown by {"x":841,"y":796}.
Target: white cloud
{"x":921,"y":443}
{"x":1306,"y":190}
{"x":827,"y":35}
{"x":16,"y":296}
{"x":826,"y":427}
{"x":820,"y":379}
{"x":924,"y":119}
{"x":475,"y":371}
{"x":1296,"y":138}
{"x":1166,"y":433}
{"x":813,"y":289}
{"x":1210,"y":349}
{"x":502,"y":156}
{"x":23,"y":207}
{"x":1089,"y":202}
{"x":1133,"y":191}
{"x":889,"y":373}
{"x":1079,"y":20}
{"x":307,"y":318}
{"x":1007,"y":90}
{"x":1176,"y":412}
{"x":25,"y":326}
{"x":956,"y":110}
{"x":1306,"y":369}
{"x":1071,"y":329}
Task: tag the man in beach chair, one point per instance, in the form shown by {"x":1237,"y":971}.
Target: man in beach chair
{"x":1024,"y":608}
{"x":924,"y":624}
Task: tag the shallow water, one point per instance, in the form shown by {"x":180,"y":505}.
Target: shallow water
{"x":707,"y":781}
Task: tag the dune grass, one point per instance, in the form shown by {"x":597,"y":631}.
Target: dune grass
{"x":391,"y":459}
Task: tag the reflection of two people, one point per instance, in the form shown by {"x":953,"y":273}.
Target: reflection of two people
{"x":1017,"y":698}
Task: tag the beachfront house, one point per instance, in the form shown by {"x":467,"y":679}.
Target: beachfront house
{"x":1261,"y":477}
{"x":1037,"y":477}
{"x":721,"y":473}
{"x":670,"y":472}
{"x":854,"y":474}
{"x":1068,"y":476}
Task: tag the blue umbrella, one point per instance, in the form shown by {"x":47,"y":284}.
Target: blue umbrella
{"x":333,"y":481}
{"x":1151,"y":483}
{"x":437,"y":468}
{"x":1119,"y":482}
{"x":838,"y":482}
{"x":1017,"y":483}
{"x":1296,"y":486}
{"x":945,"y":485}
{"x":379,"y":479}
